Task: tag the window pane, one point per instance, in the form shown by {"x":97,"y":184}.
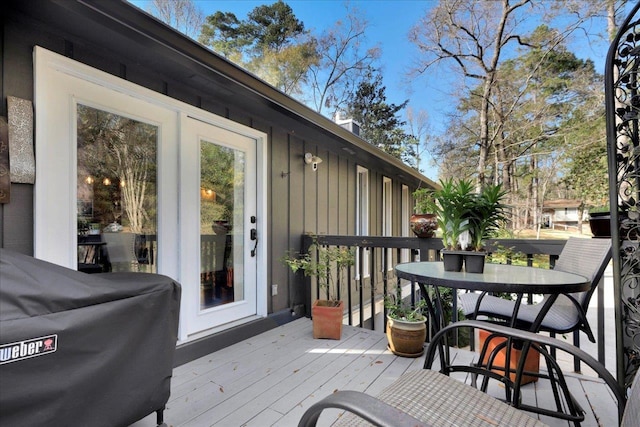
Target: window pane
{"x":117,"y":198}
{"x":221,"y":224}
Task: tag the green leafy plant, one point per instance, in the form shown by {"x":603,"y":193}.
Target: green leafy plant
{"x":399,"y":310}
{"x":424,"y":200}
{"x":326,"y":263}
{"x":452,"y":203}
{"x":486,"y":215}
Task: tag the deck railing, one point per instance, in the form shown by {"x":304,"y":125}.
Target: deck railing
{"x":364,"y":285}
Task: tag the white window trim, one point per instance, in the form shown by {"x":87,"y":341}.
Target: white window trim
{"x":387,"y":215}
{"x":362,"y":216}
{"x":55,"y":229}
{"x":405,"y":215}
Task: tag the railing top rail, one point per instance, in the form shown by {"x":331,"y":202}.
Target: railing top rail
{"x":526,"y":246}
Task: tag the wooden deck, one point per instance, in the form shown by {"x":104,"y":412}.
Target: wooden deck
{"x":272,"y":378}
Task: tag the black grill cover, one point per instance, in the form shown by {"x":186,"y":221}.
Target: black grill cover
{"x":83,"y":350}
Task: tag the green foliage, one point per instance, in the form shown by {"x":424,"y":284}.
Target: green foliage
{"x":505,"y":255}
{"x":380,"y":123}
{"x":447,"y":295}
{"x":452,"y":203}
{"x":326,"y":263}
{"x":424,"y":200}
{"x":400,"y":310}
{"x":487,"y":215}
{"x":271,"y":42}
{"x":459,"y":210}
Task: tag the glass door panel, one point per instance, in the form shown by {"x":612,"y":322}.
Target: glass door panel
{"x":116,"y":192}
{"x":218,"y":213}
{"x":221,"y":224}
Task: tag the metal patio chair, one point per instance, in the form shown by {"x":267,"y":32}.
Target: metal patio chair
{"x":431,"y":398}
{"x":587,"y":257}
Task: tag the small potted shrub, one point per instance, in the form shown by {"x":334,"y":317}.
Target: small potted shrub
{"x":406,"y":326}
{"x":327,"y":265}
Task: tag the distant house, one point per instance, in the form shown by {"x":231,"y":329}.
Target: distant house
{"x":153,"y":153}
{"x":563,"y":213}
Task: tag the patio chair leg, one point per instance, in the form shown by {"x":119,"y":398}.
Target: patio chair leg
{"x":576,"y":342}
{"x":160,"y":416}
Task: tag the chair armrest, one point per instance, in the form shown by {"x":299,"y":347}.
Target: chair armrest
{"x":542,"y":340}
{"x":367,"y":407}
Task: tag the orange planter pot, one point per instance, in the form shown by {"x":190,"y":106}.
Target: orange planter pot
{"x":327,"y":319}
{"x":532,"y":363}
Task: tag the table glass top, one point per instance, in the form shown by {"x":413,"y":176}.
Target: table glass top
{"x":496,"y":277}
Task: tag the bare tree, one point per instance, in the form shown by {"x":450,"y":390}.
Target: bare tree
{"x":343,"y":61}
{"x":419,"y":129}
{"x":474,"y":36}
{"x":183,"y":15}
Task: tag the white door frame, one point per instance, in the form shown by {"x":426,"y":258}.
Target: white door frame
{"x":60,"y":83}
{"x":193,"y":132}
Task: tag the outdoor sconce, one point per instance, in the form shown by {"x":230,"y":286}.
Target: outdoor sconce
{"x":312,"y":160}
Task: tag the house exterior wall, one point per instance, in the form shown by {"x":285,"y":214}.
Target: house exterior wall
{"x":299,"y":200}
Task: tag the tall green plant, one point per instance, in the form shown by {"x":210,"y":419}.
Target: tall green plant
{"x":486,"y":215}
{"x":453,"y":203}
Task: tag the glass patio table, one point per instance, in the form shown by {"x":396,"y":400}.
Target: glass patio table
{"x":498,"y":278}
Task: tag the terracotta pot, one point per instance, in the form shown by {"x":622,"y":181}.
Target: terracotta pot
{"x":424,"y":225}
{"x":532,"y":363}
{"x":452,"y":260}
{"x":406,"y":338}
{"x":327,"y":319}
{"x":474,"y":262}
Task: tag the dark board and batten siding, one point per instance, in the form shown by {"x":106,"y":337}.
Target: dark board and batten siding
{"x":299,"y":200}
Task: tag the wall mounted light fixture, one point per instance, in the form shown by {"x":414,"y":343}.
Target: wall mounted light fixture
{"x":312,"y":160}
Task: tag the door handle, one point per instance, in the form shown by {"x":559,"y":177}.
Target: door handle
{"x":254,"y":237}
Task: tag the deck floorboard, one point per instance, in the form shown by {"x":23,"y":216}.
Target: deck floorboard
{"x":272,"y":378}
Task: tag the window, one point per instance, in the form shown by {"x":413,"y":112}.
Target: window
{"x":116,"y":191}
{"x":404,"y":217}
{"x":387,"y":215}
{"x":362,"y":215}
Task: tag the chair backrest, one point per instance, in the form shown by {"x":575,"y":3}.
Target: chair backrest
{"x":121,"y":250}
{"x":632,"y":409}
{"x":587,"y":257}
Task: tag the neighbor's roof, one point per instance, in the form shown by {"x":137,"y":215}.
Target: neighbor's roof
{"x":562,"y":203}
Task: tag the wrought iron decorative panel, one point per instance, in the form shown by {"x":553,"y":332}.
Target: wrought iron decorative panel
{"x":622,"y":91}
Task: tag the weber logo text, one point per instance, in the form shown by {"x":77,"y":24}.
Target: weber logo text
{"x":26,"y":349}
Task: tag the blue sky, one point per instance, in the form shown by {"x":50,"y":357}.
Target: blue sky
{"x":389,"y":24}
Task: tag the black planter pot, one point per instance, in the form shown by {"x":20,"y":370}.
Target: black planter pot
{"x":600,"y":224}
{"x":474,"y":262}
{"x":452,"y":260}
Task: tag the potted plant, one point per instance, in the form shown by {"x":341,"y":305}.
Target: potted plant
{"x":452,"y":204}
{"x":498,"y":360}
{"x":423,"y":222}
{"x":406,"y":326}
{"x":486,"y":215}
{"x":327,"y":264}
{"x":600,"y":221}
